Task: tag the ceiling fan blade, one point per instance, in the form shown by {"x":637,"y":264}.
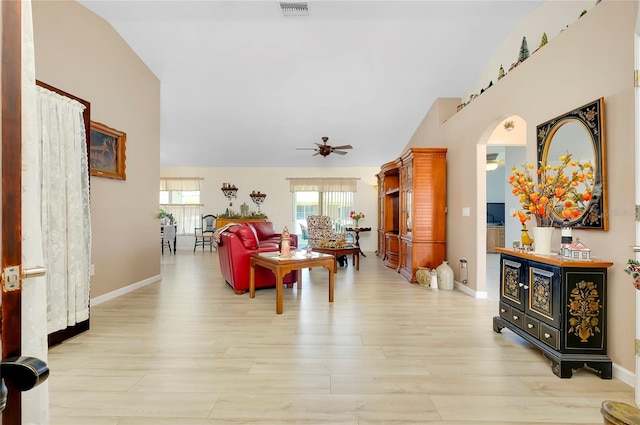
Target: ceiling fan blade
{"x":340,"y":152}
{"x":317,"y":153}
{"x":305,"y":149}
{"x":343,"y":147}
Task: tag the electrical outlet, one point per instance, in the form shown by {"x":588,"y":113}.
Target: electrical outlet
{"x":466,"y":212}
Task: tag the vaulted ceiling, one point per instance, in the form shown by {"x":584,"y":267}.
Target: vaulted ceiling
{"x":241,"y":85}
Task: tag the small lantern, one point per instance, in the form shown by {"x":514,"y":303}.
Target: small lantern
{"x":566,"y":238}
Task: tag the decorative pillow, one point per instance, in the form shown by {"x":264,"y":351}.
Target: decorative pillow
{"x":247,"y":236}
{"x":264,"y":229}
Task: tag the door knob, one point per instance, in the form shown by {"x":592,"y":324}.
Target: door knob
{"x":23,"y":373}
{"x":36,"y":271}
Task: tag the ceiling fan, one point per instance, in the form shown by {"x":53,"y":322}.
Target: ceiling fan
{"x":324,"y":149}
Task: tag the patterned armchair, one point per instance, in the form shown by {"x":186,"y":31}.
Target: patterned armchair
{"x":320,"y":227}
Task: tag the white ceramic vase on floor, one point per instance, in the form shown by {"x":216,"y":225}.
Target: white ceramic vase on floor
{"x":542,"y":240}
{"x":445,"y":276}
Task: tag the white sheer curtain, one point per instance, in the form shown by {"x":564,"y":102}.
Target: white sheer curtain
{"x":187,"y":217}
{"x":65,"y":218}
{"x":35,"y":403}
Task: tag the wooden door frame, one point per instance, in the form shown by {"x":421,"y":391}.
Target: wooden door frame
{"x":11,"y":215}
{"x":10,"y":331}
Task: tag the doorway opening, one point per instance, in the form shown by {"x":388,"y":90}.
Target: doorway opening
{"x":505,"y":148}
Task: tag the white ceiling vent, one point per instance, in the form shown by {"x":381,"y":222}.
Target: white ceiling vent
{"x":294,"y":8}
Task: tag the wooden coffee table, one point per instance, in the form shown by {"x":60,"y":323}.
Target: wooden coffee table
{"x":281,"y":266}
{"x":337,"y":252}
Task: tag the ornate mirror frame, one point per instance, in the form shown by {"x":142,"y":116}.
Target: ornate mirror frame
{"x":591,"y":118}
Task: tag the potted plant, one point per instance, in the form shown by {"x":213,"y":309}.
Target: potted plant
{"x":162,"y":215}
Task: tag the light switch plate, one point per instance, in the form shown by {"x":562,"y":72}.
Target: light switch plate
{"x":466,"y":212}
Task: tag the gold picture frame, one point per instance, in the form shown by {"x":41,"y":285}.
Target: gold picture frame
{"x":580,"y":132}
{"x":107,"y":152}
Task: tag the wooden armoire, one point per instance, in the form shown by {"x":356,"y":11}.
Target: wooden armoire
{"x":412,"y":197}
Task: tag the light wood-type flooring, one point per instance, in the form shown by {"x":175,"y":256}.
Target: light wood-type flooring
{"x":188,"y":351}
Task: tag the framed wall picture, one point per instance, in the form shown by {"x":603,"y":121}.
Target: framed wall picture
{"x":107,"y":152}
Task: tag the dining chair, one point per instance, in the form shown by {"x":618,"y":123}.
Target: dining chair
{"x":168,"y":235}
{"x":204,"y":233}
{"x":305,"y":233}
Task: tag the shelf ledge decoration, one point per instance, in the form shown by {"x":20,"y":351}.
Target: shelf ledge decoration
{"x":509,"y":125}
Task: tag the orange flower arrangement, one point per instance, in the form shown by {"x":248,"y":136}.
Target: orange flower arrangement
{"x":560,"y":189}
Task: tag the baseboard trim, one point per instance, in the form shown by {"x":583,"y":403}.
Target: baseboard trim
{"x":125,"y":290}
{"x":623,"y":375}
{"x":471,"y":292}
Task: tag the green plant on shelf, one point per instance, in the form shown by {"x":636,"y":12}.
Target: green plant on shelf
{"x":232,"y":214}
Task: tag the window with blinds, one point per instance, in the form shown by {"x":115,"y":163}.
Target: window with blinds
{"x":333,"y":197}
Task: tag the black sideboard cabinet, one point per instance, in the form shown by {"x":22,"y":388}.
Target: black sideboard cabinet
{"x":559,"y":306}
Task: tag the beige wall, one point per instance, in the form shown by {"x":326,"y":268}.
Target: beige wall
{"x":78,"y":52}
{"x":593,"y":58}
{"x":278,"y":204}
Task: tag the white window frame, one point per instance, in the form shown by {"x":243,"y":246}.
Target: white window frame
{"x":187,"y":215}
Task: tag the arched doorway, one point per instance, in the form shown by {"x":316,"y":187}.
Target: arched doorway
{"x":504,"y":148}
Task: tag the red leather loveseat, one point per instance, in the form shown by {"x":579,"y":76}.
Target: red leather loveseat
{"x":236,"y":245}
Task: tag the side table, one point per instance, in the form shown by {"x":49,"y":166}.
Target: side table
{"x":338,"y":252}
{"x":357,"y":231}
